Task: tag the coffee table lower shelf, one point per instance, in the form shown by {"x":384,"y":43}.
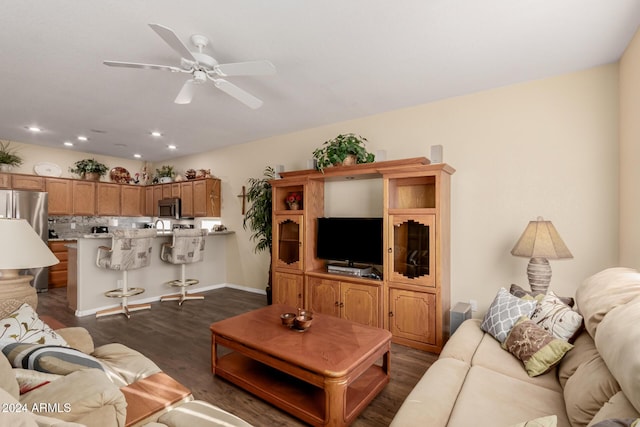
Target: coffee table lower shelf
{"x":299,"y":398}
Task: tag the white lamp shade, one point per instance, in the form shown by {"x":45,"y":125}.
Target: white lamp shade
{"x":541,"y":240}
{"x":21,"y":247}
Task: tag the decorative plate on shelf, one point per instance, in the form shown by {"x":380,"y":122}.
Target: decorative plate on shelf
{"x":120,"y":175}
{"x":47,"y":169}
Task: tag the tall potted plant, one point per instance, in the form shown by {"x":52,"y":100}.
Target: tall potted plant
{"x":8,"y":157}
{"x":258,"y":216}
{"x":344,"y":149}
{"x":89,"y":169}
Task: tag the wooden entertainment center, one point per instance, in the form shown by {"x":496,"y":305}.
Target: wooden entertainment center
{"x":411,"y":298}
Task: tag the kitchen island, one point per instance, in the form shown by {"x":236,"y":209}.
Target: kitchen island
{"x":87,"y":282}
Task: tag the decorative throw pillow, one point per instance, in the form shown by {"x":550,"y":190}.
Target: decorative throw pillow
{"x":31,"y":380}
{"x":535,"y":347}
{"x":557,"y":318}
{"x":504,"y":312}
{"x":548,"y":421}
{"x":48,"y":358}
{"x":24,"y":325}
{"x":519,"y":292}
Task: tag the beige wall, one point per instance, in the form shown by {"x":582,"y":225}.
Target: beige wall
{"x":547,"y":147}
{"x":630,"y":155}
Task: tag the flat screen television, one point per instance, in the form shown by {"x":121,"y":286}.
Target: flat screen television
{"x":353,"y":240}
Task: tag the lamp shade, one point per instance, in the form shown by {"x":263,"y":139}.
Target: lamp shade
{"x":22,"y":248}
{"x":541,"y":240}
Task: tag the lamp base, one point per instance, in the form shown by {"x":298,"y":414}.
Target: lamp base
{"x":14,"y":292}
{"x":539,"y":274}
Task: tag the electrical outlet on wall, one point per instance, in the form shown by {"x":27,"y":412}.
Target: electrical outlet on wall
{"x":474,"y":305}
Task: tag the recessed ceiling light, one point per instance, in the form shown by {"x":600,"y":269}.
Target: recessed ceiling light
{"x":156,"y":134}
{"x":137,"y":156}
{"x":82,"y":138}
{"x":68,"y":144}
{"x":171,"y":147}
{"x":34,"y":129}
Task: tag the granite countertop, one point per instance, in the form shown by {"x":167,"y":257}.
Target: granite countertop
{"x":75,"y":236}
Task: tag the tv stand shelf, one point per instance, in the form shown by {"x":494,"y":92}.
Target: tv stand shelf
{"x":412,"y":298}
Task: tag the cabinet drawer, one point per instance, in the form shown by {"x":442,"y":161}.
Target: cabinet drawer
{"x":58,"y":246}
{"x":57,"y":279}
{"x":61,"y":266}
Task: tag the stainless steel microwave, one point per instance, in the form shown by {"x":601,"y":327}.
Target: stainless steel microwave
{"x":169,"y":208}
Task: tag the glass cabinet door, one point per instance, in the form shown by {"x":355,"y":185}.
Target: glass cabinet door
{"x":412,"y":249}
{"x":287,"y":242}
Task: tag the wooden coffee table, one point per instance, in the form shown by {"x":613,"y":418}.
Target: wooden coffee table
{"x":325,"y":376}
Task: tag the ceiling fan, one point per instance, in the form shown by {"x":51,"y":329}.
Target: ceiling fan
{"x":203,"y":67}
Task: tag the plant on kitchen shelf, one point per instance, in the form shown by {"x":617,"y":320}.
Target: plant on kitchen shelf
{"x":8,"y":157}
{"x":344,"y":149}
{"x":90,"y":169}
{"x":165,"y":173}
{"x":258,"y":216}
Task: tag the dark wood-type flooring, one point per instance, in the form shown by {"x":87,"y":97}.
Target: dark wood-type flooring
{"x":178,"y":340}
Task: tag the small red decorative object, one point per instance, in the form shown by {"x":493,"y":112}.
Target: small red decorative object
{"x":294,"y":200}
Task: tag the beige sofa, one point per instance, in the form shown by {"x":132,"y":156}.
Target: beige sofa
{"x":87,"y":396}
{"x":475,"y":382}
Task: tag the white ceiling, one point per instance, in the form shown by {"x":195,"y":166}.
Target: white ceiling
{"x":336,"y":60}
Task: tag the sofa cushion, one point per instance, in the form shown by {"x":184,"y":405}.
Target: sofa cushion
{"x":556,"y":317}
{"x":584,"y":350}
{"x":504,"y":312}
{"x":618,"y":422}
{"x":434,"y":396}
{"x":8,"y":380}
{"x":200,"y":414}
{"x":538,"y":350}
{"x":463,"y":344}
{"x":28,"y":379}
{"x":602,"y":292}
{"x":12,"y":412}
{"x":549,"y":421}
{"x":491,"y":355}
{"x":618,"y":341}
{"x":587,"y":390}
{"x":78,"y":338}
{"x":85,"y":397}
{"x":124,"y":364}
{"x":617,"y":406}
{"x":24,"y":325}
{"x":489,"y":398}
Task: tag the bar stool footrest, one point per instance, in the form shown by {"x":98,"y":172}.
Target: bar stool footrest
{"x":119,"y":293}
{"x":178,"y":283}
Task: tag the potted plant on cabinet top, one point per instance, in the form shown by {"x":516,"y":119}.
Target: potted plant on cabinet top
{"x":8,"y":157}
{"x":258,"y":216}
{"x":89,"y":169}
{"x":165,"y":173}
{"x":344,"y":149}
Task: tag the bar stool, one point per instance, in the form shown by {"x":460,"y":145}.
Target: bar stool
{"x":130,"y":250}
{"x":187,"y":248}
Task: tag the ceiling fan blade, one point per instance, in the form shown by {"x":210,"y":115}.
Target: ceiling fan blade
{"x":239,"y":94}
{"x":186,"y":93}
{"x":139,"y":65}
{"x":250,"y":68}
{"x":172,"y":40}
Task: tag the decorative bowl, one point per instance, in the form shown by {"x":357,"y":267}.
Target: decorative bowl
{"x":303,"y":321}
{"x":287,"y":318}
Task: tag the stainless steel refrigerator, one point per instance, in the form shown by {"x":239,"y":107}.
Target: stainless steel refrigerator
{"x":32,"y":206}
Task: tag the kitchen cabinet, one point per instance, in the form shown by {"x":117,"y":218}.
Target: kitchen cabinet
{"x":60,"y":196}
{"x":186,"y":196}
{"x":58,"y":272}
{"x":206,"y":197}
{"x":84,"y":197}
{"x":132,"y":198}
{"x":149,"y":206}
{"x":27,"y":182}
{"x":166,"y":191}
{"x":5,"y":180}
{"x":108,"y":199}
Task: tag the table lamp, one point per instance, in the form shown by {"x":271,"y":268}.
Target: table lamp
{"x":540,"y":241}
{"x":22,"y":249}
